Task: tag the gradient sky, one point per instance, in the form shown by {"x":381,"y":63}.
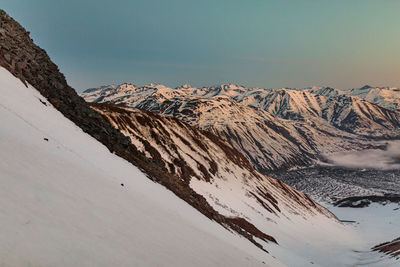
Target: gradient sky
{"x":256,"y":43}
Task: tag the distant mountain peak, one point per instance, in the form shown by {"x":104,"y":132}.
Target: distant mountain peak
{"x":126,"y":86}
{"x":155,"y":85}
{"x":184,"y":86}
{"x":231,"y":86}
{"x":365,"y":87}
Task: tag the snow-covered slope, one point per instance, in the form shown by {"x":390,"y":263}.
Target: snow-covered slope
{"x":237,"y":190}
{"x":225,"y":178}
{"x":63,"y":203}
{"x":200,"y":157}
{"x":273,"y":128}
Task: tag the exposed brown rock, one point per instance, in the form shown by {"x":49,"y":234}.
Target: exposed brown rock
{"x":391,"y":248}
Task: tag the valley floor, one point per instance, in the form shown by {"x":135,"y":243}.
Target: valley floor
{"x":374,"y":224}
{"x":330,"y":184}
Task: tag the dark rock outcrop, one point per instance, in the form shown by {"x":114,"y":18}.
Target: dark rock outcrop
{"x":391,"y":248}
{"x":365,"y":201}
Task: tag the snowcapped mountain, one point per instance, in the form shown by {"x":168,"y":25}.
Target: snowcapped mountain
{"x":387,"y":97}
{"x":273,"y":128}
{"x":354,"y":112}
{"x":347,"y":113}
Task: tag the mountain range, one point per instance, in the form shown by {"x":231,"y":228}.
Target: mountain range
{"x":274,"y":128}
{"x":150,"y":175}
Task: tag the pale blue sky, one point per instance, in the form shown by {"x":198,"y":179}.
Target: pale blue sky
{"x":257,"y":43}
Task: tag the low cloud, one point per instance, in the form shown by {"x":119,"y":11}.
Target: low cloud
{"x":387,"y":159}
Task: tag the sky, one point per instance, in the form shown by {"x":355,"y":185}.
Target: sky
{"x":255,"y":43}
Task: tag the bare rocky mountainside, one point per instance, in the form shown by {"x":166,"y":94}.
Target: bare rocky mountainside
{"x":273,"y":128}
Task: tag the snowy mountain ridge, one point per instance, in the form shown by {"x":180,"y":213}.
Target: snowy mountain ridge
{"x":273,"y":128}
{"x":387,"y":97}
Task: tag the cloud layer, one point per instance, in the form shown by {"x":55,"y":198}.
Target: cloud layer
{"x":387,"y":159}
